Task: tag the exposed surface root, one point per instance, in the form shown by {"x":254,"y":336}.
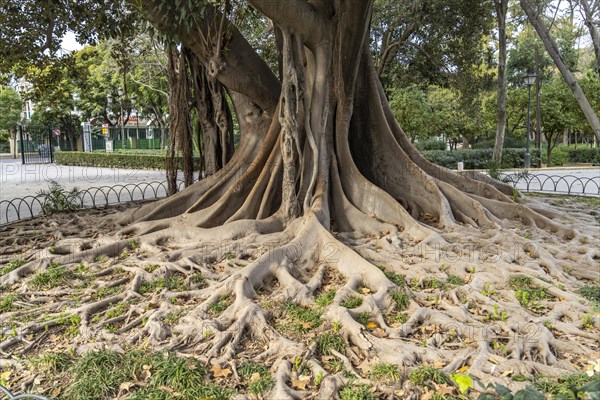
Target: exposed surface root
{"x":321,"y":310}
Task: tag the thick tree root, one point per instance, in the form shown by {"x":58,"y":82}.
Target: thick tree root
{"x":239,"y":301}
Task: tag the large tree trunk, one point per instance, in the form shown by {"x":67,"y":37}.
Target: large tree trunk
{"x":501,"y":10}
{"x":553,"y":51}
{"x":322,"y":166}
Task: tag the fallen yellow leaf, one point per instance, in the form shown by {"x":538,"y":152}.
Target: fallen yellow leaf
{"x":220,"y":372}
{"x":298,"y":384}
{"x":255,"y":377}
{"x":371,"y":325}
{"x":378,"y":332}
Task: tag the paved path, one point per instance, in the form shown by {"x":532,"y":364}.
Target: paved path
{"x":18,"y":180}
{"x":19,"y":185}
{"x":560,"y":180}
{"x":26,"y":181}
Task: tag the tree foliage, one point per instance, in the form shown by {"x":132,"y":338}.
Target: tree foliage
{"x":10,"y":109}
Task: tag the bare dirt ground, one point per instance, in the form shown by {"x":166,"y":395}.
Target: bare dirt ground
{"x":517,"y":306}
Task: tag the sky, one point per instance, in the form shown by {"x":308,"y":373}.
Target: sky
{"x":69,"y":43}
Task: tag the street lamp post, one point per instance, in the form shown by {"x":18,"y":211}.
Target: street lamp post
{"x":120,"y":92}
{"x":529,"y":80}
{"x":137,"y":116}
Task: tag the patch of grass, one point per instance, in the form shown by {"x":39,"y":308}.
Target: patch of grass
{"x":398,"y":317}
{"x":7,"y":301}
{"x":520,"y":282}
{"x":172,"y":283}
{"x":561,"y":387}
{"x":363,"y":317}
{"x":587,"y":322}
{"x":53,"y":277}
{"x":173,"y":317}
{"x":433,"y":284}
{"x":258,"y":376}
{"x":455,"y":280}
{"x":352,"y":302}
{"x":198,"y":279}
{"x":71,"y":322}
{"x":526,"y":292}
{"x":325,"y":298}
{"x":392,"y":276}
{"x":487,"y":290}
{"x":106,"y":291}
{"x":51,"y":362}
{"x":385,"y":372}
{"x":590,"y":292}
{"x":151,"y":268}
{"x":11,"y":266}
{"x":180,"y":374}
{"x":329,"y":341}
{"x":497,"y":315}
{"x":101,"y":259}
{"x":304,"y":318}
{"x":117,"y":310}
{"x":530,"y":298}
{"x":424,"y":376}
{"x":401,"y":299}
{"x":219,"y":306}
{"x":96,"y":376}
{"x":357,"y":392}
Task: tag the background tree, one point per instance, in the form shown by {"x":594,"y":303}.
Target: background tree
{"x":411,"y":108}
{"x":555,"y":54}
{"x":10,"y":114}
{"x":501,"y":15}
{"x":590,"y":11}
{"x":558,"y":113}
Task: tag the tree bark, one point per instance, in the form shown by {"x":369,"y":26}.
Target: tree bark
{"x":554,"y":52}
{"x":588,"y":19}
{"x":501,"y":10}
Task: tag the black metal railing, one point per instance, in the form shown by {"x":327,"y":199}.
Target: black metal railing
{"x":11,"y":396}
{"x":565,"y":184}
{"x":31,"y":206}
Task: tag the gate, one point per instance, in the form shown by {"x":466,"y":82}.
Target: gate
{"x":36,"y":145}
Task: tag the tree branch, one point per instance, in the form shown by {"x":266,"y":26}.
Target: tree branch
{"x":240,"y":68}
{"x":392,"y":49}
{"x":292,"y":15}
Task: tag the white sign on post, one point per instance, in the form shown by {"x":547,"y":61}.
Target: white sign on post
{"x":87,"y":137}
{"x":150,"y":133}
{"x":109,"y":146}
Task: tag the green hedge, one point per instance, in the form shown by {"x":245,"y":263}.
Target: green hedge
{"x":478,"y":158}
{"x":583,"y":155}
{"x":112,"y":160}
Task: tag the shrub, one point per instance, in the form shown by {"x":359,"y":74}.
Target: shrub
{"x":583,"y":155}
{"x":113,"y":160}
{"x":57,"y":199}
{"x":560,"y":156}
{"x":478,"y":158}
{"x":431,"y":144}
